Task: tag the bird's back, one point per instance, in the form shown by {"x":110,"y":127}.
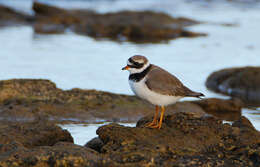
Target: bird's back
{"x":163,"y":82}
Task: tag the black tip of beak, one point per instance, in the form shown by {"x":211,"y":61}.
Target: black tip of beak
{"x":125,"y":68}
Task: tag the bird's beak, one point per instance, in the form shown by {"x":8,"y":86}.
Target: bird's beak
{"x":125,"y":68}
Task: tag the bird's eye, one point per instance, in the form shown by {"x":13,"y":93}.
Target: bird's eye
{"x":134,"y":64}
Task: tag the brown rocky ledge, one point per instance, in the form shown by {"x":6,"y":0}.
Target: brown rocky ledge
{"x":33,"y":99}
{"x":185,"y":139}
{"x":42,"y":144}
{"x":243,"y":83}
{"x":134,"y":26}
{"x":145,"y":26}
{"x":11,"y":17}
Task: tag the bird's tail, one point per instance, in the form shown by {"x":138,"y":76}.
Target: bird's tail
{"x":190,"y":93}
{"x":196,"y":94}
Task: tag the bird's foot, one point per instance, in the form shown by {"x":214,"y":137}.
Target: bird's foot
{"x":151,"y":124}
{"x":157,"y":126}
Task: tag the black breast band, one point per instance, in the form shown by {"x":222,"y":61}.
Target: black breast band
{"x":139,"y":76}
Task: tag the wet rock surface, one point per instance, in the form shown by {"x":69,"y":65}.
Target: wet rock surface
{"x":134,"y":26}
{"x":43,"y":144}
{"x":11,"y":17}
{"x":32,"y":134}
{"x":229,"y":110}
{"x":144,"y":26}
{"x":61,"y":154}
{"x":95,"y":144}
{"x":33,"y":99}
{"x":28,"y":100}
{"x":241,"y":82}
{"x":184,"y":140}
{"x":190,"y":135}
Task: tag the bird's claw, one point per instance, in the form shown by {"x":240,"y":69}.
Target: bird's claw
{"x":158,"y":126}
{"x":151,"y":124}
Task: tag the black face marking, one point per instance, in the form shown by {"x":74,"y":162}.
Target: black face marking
{"x":135,"y":64}
{"x":139,"y":76}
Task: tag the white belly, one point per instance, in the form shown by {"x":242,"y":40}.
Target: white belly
{"x":142,"y":91}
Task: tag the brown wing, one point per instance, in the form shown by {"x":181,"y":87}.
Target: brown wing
{"x":165,"y":83}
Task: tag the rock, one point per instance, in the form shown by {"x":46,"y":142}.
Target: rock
{"x":11,"y":17}
{"x":144,"y":26}
{"x":242,"y":83}
{"x":184,"y":140}
{"x":243,"y":122}
{"x":95,"y":144}
{"x":36,"y":99}
{"x":32,"y":134}
{"x":43,"y":144}
{"x":229,"y":110}
{"x":187,"y":107}
{"x":61,"y":154}
{"x":29,"y":99}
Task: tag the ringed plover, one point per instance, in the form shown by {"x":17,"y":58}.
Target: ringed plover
{"x":155,"y":85}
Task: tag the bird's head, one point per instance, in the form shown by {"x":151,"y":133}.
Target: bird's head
{"x":136,"y":64}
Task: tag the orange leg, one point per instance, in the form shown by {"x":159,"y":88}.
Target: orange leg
{"x":154,"y":122}
{"x":161,"y":119}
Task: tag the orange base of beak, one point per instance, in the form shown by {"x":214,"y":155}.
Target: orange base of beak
{"x":125,"y":68}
